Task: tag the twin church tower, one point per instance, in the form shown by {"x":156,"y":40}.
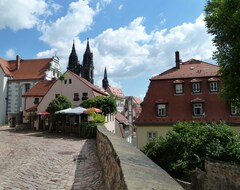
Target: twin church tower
{"x":85,"y":70}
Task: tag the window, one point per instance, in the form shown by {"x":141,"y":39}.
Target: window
{"x":27,"y":87}
{"x":196,"y":87}
{"x":36,"y":100}
{"x":70,"y":81}
{"x":235,"y":111}
{"x":56,"y":95}
{"x":84,"y":96}
{"x":178,"y":88}
{"x":151,"y":135}
{"x":76,"y":97}
{"x":161,"y":110}
{"x":198,"y":109}
{"x":65,"y":81}
{"x":213,"y":86}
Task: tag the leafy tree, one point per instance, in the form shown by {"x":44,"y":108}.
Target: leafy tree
{"x":106,"y":103}
{"x":59,"y":103}
{"x":222,"y":20}
{"x":189,"y":143}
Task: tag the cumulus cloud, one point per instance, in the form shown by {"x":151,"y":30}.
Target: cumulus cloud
{"x":24,"y":14}
{"x":78,"y":19}
{"x":10,"y":53}
{"x":128,"y":51}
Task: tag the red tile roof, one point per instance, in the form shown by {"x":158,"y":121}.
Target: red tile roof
{"x":5,"y":67}
{"x":28,"y":69}
{"x":40,"y":89}
{"x":115,"y":91}
{"x":32,"y":69}
{"x":96,"y":90}
{"x":189,"y":69}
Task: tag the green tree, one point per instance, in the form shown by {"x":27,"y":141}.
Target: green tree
{"x":189,"y":143}
{"x":59,"y":103}
{"x":222,"y":20}
{"x":106,"y":103}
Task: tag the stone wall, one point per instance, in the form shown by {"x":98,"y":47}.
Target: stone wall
{"x":127,"y":168}
{"x":217,"y":176}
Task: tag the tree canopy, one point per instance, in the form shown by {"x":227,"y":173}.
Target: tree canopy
{"x":59,"y":103}
{"x":189,"y":143}
{"x":222,"y":20}
{"x":106,"y":103}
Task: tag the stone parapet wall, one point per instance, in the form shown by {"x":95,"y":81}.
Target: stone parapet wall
{"x":217,"y":176}
{"x":127,"y":168}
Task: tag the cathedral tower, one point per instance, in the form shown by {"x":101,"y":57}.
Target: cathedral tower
{"x":73,"y":63}
{"x":105,"y":83}
{"x":87,"y":66}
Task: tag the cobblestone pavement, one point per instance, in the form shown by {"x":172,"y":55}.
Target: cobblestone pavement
{"x":36,"y":160}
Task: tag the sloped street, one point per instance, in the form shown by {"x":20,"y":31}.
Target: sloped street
{"x":37,"y":160}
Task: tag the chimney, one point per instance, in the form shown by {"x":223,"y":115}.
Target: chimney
{"x":18,"y":62}
{"x":177,"y":59}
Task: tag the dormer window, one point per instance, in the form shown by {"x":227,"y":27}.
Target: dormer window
{"x":161,"y":110}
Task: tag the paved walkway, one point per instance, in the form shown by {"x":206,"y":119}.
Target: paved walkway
{"x":36,"y":160}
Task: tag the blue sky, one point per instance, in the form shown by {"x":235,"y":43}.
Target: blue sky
{"x":134,"y":40}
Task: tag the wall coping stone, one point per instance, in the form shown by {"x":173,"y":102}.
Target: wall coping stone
{"x":139,"y":172}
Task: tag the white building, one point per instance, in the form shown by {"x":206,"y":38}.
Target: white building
{"x":16,"y":78}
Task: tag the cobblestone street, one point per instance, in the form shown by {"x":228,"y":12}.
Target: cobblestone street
{"x":36,"y":160}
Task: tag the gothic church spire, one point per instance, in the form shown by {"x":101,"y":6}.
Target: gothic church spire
{"x":73,"y":63}
{"x":87,"y":67}
{"x":105,"y":83}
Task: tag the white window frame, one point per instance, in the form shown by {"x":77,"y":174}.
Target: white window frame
{"x":235,"y":111}
{"x":179,"y":88}
{"x":196,"y":87}
{"x":161,"y":110}
{"x":213,"y":86}
{"x":198,"y":107}
{"x":151,"y":135}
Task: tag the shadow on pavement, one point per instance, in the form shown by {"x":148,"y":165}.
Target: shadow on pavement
{"x":44,"y":134}
{"x":88,"y":174}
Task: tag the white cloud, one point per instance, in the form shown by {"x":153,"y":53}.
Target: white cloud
{"x":10,"y":53}
{"x":120,"y":7}
{"x":78,"y":19}
{"x":129,"y":51}
{"x":22,"y":14}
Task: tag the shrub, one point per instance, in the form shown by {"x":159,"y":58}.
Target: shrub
{"x":189,"y":143}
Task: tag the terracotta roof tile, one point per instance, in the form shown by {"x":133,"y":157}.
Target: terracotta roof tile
{"x":40,"y":89}
{"x":189,"y":69}
{"x":115,"y":91}
{"x":5,"y":67}
{"x":121,"y":118}
{"x":97,"y":90}
{"x":31,"y":69}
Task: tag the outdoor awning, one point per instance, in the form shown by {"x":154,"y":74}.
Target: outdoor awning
{"x":62,"y":111}
{"x":72,"y":111}
{"x":75,"y":111}
{"x":43,"y":113}
{"x":96,"y":110}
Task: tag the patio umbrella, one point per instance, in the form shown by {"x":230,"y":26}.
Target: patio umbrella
{"x":63,"y":111}
{"x":96,"y":110}
{"x":75,"y":111}
{"x":43,"y":113}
